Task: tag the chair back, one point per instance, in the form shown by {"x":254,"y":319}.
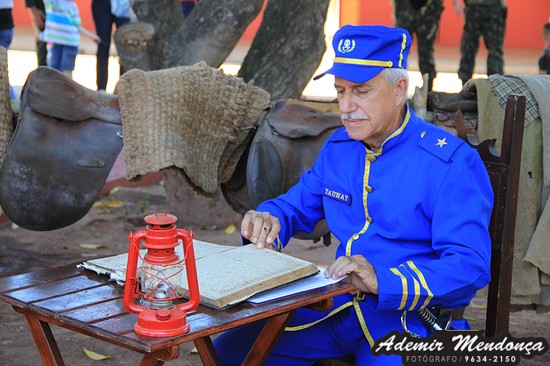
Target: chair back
{"x":503,"y":169}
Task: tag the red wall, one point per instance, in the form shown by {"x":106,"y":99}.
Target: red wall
{"x":524,"y":27}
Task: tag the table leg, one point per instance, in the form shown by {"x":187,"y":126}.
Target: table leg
{"x":45,"y":341}
{"x":158,"y":358}
{"x":207,"y":353}
{"x":150,"y":361}
{"x":267,"y":339}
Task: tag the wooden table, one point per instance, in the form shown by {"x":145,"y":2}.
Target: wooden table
{"x":87,"y":303}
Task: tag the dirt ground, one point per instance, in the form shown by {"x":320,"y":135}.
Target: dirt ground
{"x":104,"y":229}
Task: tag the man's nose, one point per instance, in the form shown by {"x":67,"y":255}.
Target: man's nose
{"x":346,"y":104}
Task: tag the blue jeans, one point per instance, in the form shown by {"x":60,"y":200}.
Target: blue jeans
{"x":63,"y":57}
{"x":6,"y":36}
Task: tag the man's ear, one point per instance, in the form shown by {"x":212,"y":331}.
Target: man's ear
{"x":401,"y":90}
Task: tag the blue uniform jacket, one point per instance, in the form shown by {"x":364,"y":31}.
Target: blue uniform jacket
{"x":418,"y":209}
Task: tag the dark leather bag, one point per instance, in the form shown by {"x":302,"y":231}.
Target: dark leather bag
{"x":65,"y":143}
{"x":286,"y":144}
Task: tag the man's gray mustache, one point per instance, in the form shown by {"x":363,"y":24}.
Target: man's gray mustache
{"x":353,"y":115}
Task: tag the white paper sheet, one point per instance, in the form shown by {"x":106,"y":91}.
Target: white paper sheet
{"x":295,"y":287}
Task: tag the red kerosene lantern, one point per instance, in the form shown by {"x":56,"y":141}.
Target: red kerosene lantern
{"x":159,"y":277}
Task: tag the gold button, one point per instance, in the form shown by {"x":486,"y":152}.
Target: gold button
{"x":368,"y":189}
{"x":369,"y":219}
{"x":355,"y":236}
{"x":371,"y":158}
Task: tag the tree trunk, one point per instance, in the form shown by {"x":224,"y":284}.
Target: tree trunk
{"x":165,"y":16}
{"x":288,"y":47}
{"x":284,"y":55}
{"x":193,"y":210}
{"x":209,"y":34}
{"x":211,"y":31}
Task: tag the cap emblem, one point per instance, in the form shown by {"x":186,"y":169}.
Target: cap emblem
{"x":346,"y":45}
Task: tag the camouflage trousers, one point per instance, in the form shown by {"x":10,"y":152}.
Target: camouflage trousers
{"x":424,"y":23}
{"x":489,"y":22}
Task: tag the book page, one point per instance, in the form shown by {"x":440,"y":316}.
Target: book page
{"x":244,"y":271}
{"x":226,"y":274}
{"x":115,"y":266}
{"x":204,"y":249}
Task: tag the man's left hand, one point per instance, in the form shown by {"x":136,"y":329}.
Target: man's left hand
{"x":360,"y":271}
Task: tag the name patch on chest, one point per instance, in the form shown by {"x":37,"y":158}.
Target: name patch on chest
{"x":339,"y":196}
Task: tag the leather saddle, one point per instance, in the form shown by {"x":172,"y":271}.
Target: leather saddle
{"x":285,"y":144}
{"x":65,"y":142}
{"x":447,"y":108}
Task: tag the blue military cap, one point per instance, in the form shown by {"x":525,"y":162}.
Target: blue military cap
{"x":365,"y":50}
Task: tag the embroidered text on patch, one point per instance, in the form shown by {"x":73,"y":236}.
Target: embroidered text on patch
{"x":338,"y":196}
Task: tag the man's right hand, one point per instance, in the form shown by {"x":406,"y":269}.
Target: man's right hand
{"x":38,"y":18}
{"x":260,"y":228}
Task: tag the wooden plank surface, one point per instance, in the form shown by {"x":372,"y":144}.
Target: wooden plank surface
{"x":51,"y":290}
{"x":87,"y":296}
{"x":87,"y":303}
{"x":13,"y":283}
{"x":97,"y":312}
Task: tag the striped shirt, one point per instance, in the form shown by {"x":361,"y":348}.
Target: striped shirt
{"x":62,"y":22}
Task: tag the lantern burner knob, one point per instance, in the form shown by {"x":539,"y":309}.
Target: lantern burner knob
{"x":163,"y":314}
{"x":161,"y":220}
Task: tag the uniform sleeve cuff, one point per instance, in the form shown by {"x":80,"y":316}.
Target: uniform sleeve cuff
{"x":392,"y":290}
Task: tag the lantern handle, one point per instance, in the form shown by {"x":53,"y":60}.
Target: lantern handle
{"x":131,"y":280}
{"x":191,"y":271}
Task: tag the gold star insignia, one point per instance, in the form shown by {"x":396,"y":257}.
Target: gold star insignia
{"x":440,"y":142}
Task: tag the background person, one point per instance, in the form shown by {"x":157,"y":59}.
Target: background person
{"x":487,"y":19}
{"x":386,"y":183}
{"x":104,"y":18}
{"x":6,"y":29}
{"x":544,"y":60}
{"x":6,"y":23}
{"x":63,"y":29}
{"x":421,"y":18}
{"x":38,"y":16}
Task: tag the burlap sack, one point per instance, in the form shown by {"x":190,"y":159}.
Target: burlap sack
{"x":192,"y":117}
{"x":6,"y":123}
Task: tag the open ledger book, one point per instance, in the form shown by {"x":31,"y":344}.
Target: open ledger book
{"x":227,"y":274}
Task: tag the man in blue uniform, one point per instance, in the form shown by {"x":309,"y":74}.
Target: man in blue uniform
{"x":409,"y":203}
